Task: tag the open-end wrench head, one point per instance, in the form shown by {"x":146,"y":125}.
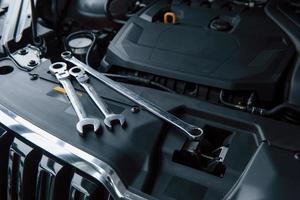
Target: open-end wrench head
{"x":114,"y":118}
{"x":95,"y":123}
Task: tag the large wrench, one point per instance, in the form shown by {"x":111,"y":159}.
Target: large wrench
{"x":83,"y":80}
{"x":191,"y":131}
{"x":59,"y":69}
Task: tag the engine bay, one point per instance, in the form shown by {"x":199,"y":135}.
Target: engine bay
{"x":229,"y":67}
{"x":210,"y":53}
{"x":210,"y":46}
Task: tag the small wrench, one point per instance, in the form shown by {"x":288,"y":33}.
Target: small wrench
{"x":59,"y":69}
{"x":83,"y":80}
{"x":192,"y":132}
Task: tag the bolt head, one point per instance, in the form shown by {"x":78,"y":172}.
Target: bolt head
{"x":135,"y":109}
{"x":23,"y":52}
{"x":297,"y":156}
{"x":32,"y":63}
{"x":34,"y":77}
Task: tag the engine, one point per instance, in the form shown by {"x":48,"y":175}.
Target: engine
{"x":231,"y":53}
{"x":149,"y":99}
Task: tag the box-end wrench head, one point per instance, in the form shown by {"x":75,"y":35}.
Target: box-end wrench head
{"x":83,"y":80}
{"x":60,"y":71}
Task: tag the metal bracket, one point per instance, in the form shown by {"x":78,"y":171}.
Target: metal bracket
{"x":28,"y":57}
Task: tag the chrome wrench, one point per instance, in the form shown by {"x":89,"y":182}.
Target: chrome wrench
{"x":59,"y":69}
{"x":83,"y":80}
{"x":192,"y":132}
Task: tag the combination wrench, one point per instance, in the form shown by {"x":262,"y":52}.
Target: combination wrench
{"x":83,"y":80}
{"x":192,"y":132}
{"x":60,"y":71}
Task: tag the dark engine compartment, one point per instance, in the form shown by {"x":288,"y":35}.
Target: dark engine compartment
{"x":226,"y":52}
{"x":223,"y":52}
{"x":218,"y":45}
{"x":228,"y":67}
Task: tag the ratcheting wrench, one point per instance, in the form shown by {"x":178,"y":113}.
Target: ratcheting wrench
{"x":83,"y":80}
{"x":191,"y":131}
{"x":59,"y":69}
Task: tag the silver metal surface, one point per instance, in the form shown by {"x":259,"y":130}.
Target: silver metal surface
{"x":28,"y":57}
{"x":11,"y":21}
{"x":18,"y":18}
{"x":77,"y":158}
{"x":83,"y":80}
{"x":24,"y":19}
{"x":4,"y":4}
{"x":192,"y":132}
{"x":59,"y":69}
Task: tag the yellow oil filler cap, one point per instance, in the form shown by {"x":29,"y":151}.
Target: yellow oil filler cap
{"x":169,"y":18}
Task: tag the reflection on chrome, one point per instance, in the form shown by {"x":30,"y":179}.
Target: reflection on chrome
{"x":70,"y":154}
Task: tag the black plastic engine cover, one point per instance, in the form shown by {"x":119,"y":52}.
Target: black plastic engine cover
{"x":249,"y":56}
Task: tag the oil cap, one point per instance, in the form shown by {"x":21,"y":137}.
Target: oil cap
{"x":80,"y":45}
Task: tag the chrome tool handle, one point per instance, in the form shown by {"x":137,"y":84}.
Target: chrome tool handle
{"x":98,"y":101}
{"x":66,"y":83}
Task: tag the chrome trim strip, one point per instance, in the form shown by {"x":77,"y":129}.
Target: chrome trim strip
{"x":81,"y":160}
